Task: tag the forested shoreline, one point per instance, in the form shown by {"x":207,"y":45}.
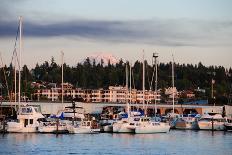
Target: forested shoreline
{"x":90,"y":75}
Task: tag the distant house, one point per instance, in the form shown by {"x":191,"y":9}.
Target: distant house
{"x":170,"y":90}
{"x":187,"y":94}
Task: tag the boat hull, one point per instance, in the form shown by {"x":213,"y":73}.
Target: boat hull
{"x":228,"y":126}
{"x":152,"y":128}
{"x":82,"y":130}
{"x":122,"y":128}
{"x":108,"y":128}
{"x":19,"y":128}
{"x":209,"y":126}
{"x":187,"y":125}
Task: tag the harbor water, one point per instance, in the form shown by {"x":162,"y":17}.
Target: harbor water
{"x":176,"y":142}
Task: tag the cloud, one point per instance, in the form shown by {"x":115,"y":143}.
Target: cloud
{"x":175,"y":32}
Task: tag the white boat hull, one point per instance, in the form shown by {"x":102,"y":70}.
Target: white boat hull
{"x":152,"y":128}
{"x":83,"y":130}
{"x":52,"y":129}
{"x":209,"y":126}
{"x":122,"y":128}
{"x":108,"y":128}
{"x":18,"y":127}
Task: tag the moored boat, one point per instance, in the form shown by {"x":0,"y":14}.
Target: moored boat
{"x":27,"y":120}
{"x":212,"y":122}
{"x":228,"y":124}
{"x":85,"y":127}
{"x":52,"y":127}
{"x":189,"y":122}
{"x":145,"y":125}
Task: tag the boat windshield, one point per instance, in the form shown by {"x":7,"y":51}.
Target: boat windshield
{"x":27,"y":110}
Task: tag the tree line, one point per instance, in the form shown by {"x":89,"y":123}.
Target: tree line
{"x":92,"y":75}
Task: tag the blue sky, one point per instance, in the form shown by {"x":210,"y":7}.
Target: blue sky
{"x":193,"y":30}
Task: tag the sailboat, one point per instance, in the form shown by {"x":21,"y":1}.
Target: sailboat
{"x":123,"y":125}
{"x":172,"y":117}
{"x":145,"y":124}
{"x":27,"y":116}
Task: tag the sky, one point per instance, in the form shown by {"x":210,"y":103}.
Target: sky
{"x":192,"y":30}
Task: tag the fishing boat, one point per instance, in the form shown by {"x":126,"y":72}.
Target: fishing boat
{"x":212,"y":122}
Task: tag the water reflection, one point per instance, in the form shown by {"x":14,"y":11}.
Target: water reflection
{"x":174,"y":142}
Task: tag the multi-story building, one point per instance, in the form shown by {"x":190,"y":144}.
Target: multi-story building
{"x":117,"y":94}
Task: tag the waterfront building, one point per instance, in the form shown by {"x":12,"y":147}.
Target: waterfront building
{"x":115,"y":94}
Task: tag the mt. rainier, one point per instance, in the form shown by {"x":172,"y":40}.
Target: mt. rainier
{"x":106,"y":57}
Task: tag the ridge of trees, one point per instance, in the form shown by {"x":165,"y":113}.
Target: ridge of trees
{"x":90,"y":75}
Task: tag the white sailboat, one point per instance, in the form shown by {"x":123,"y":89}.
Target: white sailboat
{"x":144,"y":124}
{"x":122,"y":126}
{"x":172,"y":117}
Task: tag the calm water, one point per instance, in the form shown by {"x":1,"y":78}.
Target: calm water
{"x":174,"y":143}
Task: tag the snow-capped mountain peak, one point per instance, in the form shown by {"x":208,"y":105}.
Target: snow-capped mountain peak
{"x":105,"y":57}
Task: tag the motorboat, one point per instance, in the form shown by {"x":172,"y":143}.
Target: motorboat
{"x":27,"y":120}
{"x":212,"y":122}
{"x":187,"y":122}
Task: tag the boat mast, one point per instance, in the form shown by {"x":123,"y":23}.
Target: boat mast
{"x":127,"y":103}
{"x":62,"y":79}
{"x":130,"y":84}
{"x":155,"y":56}
{"x":143,"y":83}
{"x":20,"y":50}
{"x":173,"y":95}
{"x":15,"y":80}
